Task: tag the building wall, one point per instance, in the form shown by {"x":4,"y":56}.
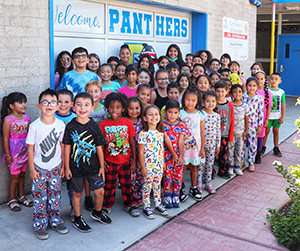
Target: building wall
{"x":24,"y":48}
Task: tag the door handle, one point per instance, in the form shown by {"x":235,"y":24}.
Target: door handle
{"x":281,"y":68}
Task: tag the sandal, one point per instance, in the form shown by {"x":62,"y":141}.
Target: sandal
{"x":13,"y":205}
{"x":23,"y":200}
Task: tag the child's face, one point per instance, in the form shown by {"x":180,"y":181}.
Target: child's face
{"x":234,"y":68}
{"x":215,"y":66}
{"x":144,"y":95}
{"x":237,"y":94}
{"x":275,"y":80}
{"x":191,"y":101}
{"x":80,"y":60}
{"x":173,"y":72}
{"x":152,"y":116}
{"x":144,"y":78}
{"x":120,"y":72}
{"x":83,"y":107}
{"x":134,"y":109}
{"x":48,"y":105}
{"x":214,"y":79}
{"x":162,"y":79}
{"x":145,"y":63}
{"x":203,"y":56}
{"x":163,"y":63}
{"x":221,"y":94}
{"x":173,"y":93}
{"x":64,"y":104}
{"x":113,"y":64}
{"x":229,"y":84}
{"x":132,"y":77}
{"x":251,"y":87}
{"x":225,"y":61}
{"x":93,"y":64}
{"x":172,"y":115}
{"x":224,"y":75}
{"x":254,"y":69}
{"x":261,"y":80}
{"x":115,"y":110}
{"x":185,"y":69}
{"x":197,"y":60}
{"x":183,"y":83}
{"x":105,"y":73}
{"x":125,"y":55}
{"x":210,"y":103}
{"x":197,"y":71}
{"x":203,"y":84}
{"x":173,"y":53}
{"x":65,"y":61}
{"x":189,"y":60}
{"x":95,"y":92}
{"x":19,"y":107}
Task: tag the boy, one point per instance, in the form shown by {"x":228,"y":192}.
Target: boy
{"x":45,"y":164}
{"x":173,"y":92}
{"x":276,"y":117}
{"x":226,"y":111}
{"x":173,"y":70}
{"x":196,"y":60}
{"x":84,"y":160}
{"x":65,"y":103}
{"x":189,"y":60}
{"x":76,"y":80}
{"x":224,"y":74}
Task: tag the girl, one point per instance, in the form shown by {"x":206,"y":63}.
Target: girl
{"x":120,"y":74}
{"x":145,"y":77}
{"x":143,"y":94}
{"x":184,"y":82}
{"x":203,"y":83}
{"x":174,"y":128}
{"x":63,"y":65}
{"x":214,"y":78}
{"x":234,"y":67}
{"x":256,"y":120}
{"x":134,"y":111}
{"x":214,"y":65}
{"x":163,"y":61}
{"x":174,"y":54}
{"x":194,"y":139}
{"x":206,"y":57}
{"x":212,"y":139}
{"x":108,"y":86}
{"x":94,"y":63}
{"x":199,"y":69}
{"x":159,"y":96}
{"x":266,"y":94}
{"x":256,"y":67}
{"x":15,"y":129}
{"x":146,"y":62}
{"x":125,"y":54}
{"x":151,"y":157}
{"x":131,"y":74}
{"x":225,"y":60}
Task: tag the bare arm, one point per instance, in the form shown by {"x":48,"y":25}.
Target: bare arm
{"x":170,"y":147}
{"x":68,"y":173}
{"x":282,"y":113}
{"x":267,"y":116}
{"x":152,"y":97}
{"x":132,"y":143}
{"x":5,"y":130}
{"x":62,"y":170}
{"x":30,"y":153}
{"x":180,"y":148}
{"x":100,"y":155}
{"x":202,"y":133}
{"x":142,"y":159}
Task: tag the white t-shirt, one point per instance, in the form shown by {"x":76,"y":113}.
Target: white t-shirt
{"x":46,"y":140}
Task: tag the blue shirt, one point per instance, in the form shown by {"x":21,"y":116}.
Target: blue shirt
{"x":65,"y":118}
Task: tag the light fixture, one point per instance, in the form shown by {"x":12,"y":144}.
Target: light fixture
{"x":292,"y":8}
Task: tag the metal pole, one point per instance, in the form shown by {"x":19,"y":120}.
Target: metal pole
{"x":272,"y":38}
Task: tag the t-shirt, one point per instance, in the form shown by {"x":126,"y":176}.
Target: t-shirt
{"x":117,"y":134}
{"x":46,"y":140}
{"x":67,"y":118}
{"x":127,"y":91}
{"x":107,"y":89}
{"x":122,"y":84}
{"x":227,"y":120}
{"x":83,"y":138}
{"x":278,"y":97}
{"x":75,"y":81}
{"x":99,"y":114}
{"x":240,"y":111}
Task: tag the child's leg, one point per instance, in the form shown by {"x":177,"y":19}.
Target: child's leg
{"x":266,"y":136}
{"x":177,"y":179}
{"x":238,"y":151}
{"x":147,"y":187}
{"x":223,"y":168}
{"x":21,"y":184}
{"x":125,"y":180}
{"x":168,"y":178}
{"x":209,"y":161}
{"x":137,"y":181}
{"x":99,"y":196}
{"x":231,"y":152}
{"x":252,"y":149}
{"x":276,"y":136}
{"x":14,"y":181}
{"x":76,"y":203}
{"x":110,"y":184}
{"x":200,"y":170}
{"x":87,"y":189}
{"x":97,"y":184}
{"x":260,"y":141}
{"x":194,"y":175}
{"x":158,"y":173}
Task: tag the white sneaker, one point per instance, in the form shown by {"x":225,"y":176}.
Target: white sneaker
{"x":238,"y":171}
{"x":230,"y":171}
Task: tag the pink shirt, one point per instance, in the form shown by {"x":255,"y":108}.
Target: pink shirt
{"x":127,"y":91}
{"x":262,"y":94}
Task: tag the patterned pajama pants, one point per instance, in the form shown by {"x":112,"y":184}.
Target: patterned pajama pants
{"x":222,"y":161}
{"x":235,"y":149}
{"x":207,"y":168}
{"x":137,"y":181}
{"x":111,"y":176}
{"x":46,"y":198}
{"x":251,"y":142}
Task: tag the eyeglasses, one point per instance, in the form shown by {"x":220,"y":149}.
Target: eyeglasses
{"x":80,"y":56}
{"x":185,"y":71}
{"x":46,"y":103}
{"x":65,"y":60}
{"x":162,"y":79}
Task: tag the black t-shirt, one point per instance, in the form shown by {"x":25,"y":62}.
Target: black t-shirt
{"x":83,"y":139}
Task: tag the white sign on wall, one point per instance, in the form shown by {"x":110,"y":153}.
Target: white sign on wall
{"x":235,"y":38}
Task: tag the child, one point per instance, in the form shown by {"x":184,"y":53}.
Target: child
{"x":84,"y":160}
{"x":134,"y":113}
{"x":160,"y":97}
{"x":173,"y":70}
{"x":151,"y":158}
{"x":130,"y":88}
{"x":212,"y":138}
{"x":266,"y":94}
{"x":206,"y":57}
{"x":143,"y":93}
{"x":145,"y":61}
{"x":198,"y":70}
{"x":277,"y":112}
{"x":120,"y":74}
{"x":184,"y":82}
{"x":229,"y":85}
{"x":203,"y":83}
{"x":234,"y":67}
{"x":113,"y":61}
{"x":174,"y":128}
{"x":173,"y":91}
{"x":193,"y":118}
{"x":224,"y":74}
{"x":214,"y":65}
{"x":225,"y":60}
{"x":144,"y":77}
{"x":174,"y":54}
{"x":197,"y":60}
{"x":241,"y":125}
{"x":255,"y":103}
{"x":108,"y":86}
{"x":225,"y":109}
{"x":94,"y":63}
{"x":76,"y":79}
{"x":15,"y":129}
{"x":65,"y":103}
{"x":189,"y":60}
{"x":214,"y":78}
{"x":125,"y":54}
{"x":45,"y":153}
{"x":163,"y":61}
{"x":185,"y":69}
{"x":120,"y":135}
{"x":256,"y":67}
{"x":63,"y":65}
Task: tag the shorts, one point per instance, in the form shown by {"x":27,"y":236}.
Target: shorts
{"x":274,"y":123}
{"x":17,"y":169}
{"x":77,"y":183}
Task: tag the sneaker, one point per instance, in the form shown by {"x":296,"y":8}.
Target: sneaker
{"x":106,"y":210}
{"x":194,"y":193}
{"x":133,"y":211}
{"x":224,"y":175}
{"x":258,"y":157}
{"x":263,"y":150}
{"x":183,"y":185}
{"x":161,"y":209}
{"x":238,"y":171}
{"x":210,"y":189}
{"x":230,"y":171}
{"x":148,"y":213}
{"x":183,"y":196}
{"x":60,"y":228}
{"x":81,"y":225}
{"x":101,"y":217}
{"x":199,"y":187}
{"x":277,"y":152}
{"x":42,"y":234}
{"x":88,"y":203}
{"x":251,"y":168}
{"x":168,"y":202}
{"x":72,"y":215}
{"x":176,"y":201}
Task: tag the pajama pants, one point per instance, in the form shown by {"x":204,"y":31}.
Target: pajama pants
{"x":235,"y":149}
{"x":152,"y":180}
{"x":111,"y":176}
{"x":137,"y":181}
{"x":207,"y":168}
{"x":222,"y":161}
{"x":46,"y":198}
{"x":251,"y":142}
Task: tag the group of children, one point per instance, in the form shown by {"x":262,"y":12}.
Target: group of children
{"x":139,"y":128}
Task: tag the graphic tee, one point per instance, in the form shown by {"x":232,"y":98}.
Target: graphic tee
{"x":278,"y":97}
{"x":107,"y":89}
{"x":83,"y":138}
{"x":46,"y":140}
{"x":66,"y":119}
{"x":99,"y":114}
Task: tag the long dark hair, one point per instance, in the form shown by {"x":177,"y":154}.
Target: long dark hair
{"x":193,"y":90}
{"x":132,"y":100}
{"x":208,"y":54}
{"x":59,"y":67}
{"x":266,"y":89}
{"x":159,"y":127}
{"x":98,"y":58}
{"x":151,"y":66}
{"x":179,"y":61}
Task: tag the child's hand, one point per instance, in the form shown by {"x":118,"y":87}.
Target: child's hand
{"x":266,"y":123}
{"x":202,"y":153}
{"x":180,"y":160}
{"x":144,"y":172}
{"x":8,"y":159}
{"x":259,"y":130}
{"x":102,"y":173}
{"x":280,"y":121}
{"x":34,"y":175}
{"x":175,"y":159}
{"x":68,"y":174}
{"x":133,"y":166}
{"x":244,"y":135}
{"x":62,"y":172}
{"x":217,"y":151}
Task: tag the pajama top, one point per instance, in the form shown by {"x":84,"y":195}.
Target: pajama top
{"x":269,"y":103}
{"x":212,"y":130}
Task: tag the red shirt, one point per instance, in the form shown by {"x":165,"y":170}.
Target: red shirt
{"x":117,"y":133}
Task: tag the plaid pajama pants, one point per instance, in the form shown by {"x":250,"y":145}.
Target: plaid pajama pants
{"x":222,"y":161}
